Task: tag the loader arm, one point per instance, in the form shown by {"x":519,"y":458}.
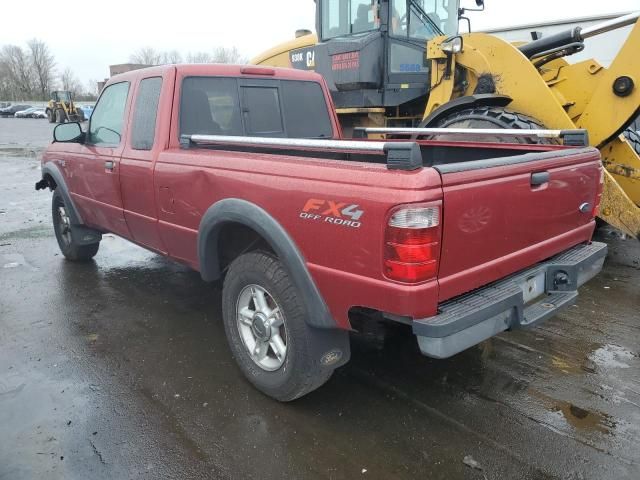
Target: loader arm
{"x":557,"y":98}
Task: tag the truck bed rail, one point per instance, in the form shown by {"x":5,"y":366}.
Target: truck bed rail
{"x":573,"y":138}
{"x":399,"y":155}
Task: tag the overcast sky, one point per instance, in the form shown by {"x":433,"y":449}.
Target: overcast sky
{"x":108,"y":32}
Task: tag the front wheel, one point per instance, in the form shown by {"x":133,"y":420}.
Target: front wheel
{"x":63,"y":229}
{"x":264,"y":321}
{"x":60,"y":116}
{"x":492,"y":118}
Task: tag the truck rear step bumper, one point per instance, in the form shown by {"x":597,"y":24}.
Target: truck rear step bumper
{"x":522,"y":300}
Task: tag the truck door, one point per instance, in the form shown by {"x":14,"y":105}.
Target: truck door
{"x":149,"y":134}
{"x":96,"y":168}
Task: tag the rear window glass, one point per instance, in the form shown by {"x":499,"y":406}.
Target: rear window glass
{"x":306,"y":114}
{"x":262,"y":113}
{"x":256,"y":107}
{"x":210,"y":106}
{"x":143,"y":130}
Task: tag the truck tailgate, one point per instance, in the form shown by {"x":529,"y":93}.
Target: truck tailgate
{"x":503,"y":215}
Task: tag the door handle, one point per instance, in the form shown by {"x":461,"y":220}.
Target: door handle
{"x":109,"y":165}
{"x":539,"y":178}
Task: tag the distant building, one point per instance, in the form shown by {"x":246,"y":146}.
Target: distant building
{"x":125,"y":67}
{"x":603,"y":48}
{"x":118,"y":69}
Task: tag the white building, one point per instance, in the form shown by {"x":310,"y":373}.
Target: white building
{"x":602,"y":47}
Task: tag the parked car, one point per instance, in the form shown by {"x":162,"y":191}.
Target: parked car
{"x":5,"y":104}
{"x":26,"y":113}
{"x":11,"y":111}
{"x":87,"y":110}
{"x":38,"y":113}
{"x":242,"y":174}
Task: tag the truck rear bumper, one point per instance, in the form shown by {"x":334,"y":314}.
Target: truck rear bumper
{"x":522,"y":300}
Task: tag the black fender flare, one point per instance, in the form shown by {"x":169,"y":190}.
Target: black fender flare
{"x":463,"y":103}
{"x":51,"y":169}
{"x":234,"y":210}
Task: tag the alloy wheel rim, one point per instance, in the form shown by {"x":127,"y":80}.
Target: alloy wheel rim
{"x":65,"y":225}
{"x":262,"y":328}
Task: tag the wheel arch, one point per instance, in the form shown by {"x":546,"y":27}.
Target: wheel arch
{"x":464,"y":103}
{"x":53,"y":178}
{"x":243,"y":214}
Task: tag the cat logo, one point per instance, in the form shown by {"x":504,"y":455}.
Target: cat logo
{"x":303,"y":59}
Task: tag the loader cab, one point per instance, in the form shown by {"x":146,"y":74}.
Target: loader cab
{"x":372,"y":52}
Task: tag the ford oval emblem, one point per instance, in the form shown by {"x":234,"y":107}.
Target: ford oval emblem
{"x":585,"y":207}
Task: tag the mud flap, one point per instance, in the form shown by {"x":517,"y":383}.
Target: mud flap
{"x":330,"y":347}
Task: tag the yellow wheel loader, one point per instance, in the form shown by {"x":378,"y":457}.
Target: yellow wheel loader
{"x":61,"y":108}
{"x":404,"y":63}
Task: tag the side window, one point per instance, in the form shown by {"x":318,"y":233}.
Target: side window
{"x":305,"y":110}
{"x":143,"y":127}
{"x":261,"y":109}
{"x":107,"y":118}
{"x":210,"y":106}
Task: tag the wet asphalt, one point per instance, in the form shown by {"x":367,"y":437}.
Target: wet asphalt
{"x":119,"y":369}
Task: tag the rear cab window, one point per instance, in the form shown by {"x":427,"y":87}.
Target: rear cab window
{"x":145,"y":113}
{"x":253,"y":107}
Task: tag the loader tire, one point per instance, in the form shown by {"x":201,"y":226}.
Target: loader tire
{"x":60,"y":117}
{"x":493,"y":117}
{"x":632,"y":135}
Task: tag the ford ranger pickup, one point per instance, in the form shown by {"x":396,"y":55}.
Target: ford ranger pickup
{"x":241,"y":173}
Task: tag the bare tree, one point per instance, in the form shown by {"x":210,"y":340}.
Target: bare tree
{"x":42,"y":65}
{"x":70,"y":82}
{"x":17,"y":72}
{"x":93,"y":89}
{"x":227,"y":55}
{"x":173,"y":56}
{"x":198,"y":57}
{"x":148,"y":56}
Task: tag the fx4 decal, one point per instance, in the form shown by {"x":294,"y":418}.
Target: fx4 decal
{"x":329,"y":211}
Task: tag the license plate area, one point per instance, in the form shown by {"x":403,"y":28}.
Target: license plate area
{"x":533,"y":287}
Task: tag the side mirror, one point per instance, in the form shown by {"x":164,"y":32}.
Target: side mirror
{"x":480,"y":3}
{"x":68,"y":132}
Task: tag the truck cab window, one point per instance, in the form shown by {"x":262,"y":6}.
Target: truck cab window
{"x":107,"y":118}
{"x":345,"y":17}
{"x":143,"y":127}
{"x":210,"y":106}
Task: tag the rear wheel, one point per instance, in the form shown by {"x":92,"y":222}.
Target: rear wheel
{"x":63,"y":229}
{"x":264,"y":320}
{"x":50,"y":116}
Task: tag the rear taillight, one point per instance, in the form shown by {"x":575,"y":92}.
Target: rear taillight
{"x":412,"y":244}
{"x":596,"y":204}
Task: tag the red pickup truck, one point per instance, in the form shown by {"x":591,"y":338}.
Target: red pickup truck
{"x":241,"y":173}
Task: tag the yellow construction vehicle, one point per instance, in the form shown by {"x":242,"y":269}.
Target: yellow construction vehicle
{"x":403,"y":63}
{"x":61,"y":108}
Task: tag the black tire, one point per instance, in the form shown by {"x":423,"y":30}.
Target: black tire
{"x":492,"y":117}
{"x":50,"y":116}
{"x":70,"y":249}
{"x":298,"y":374}
{"x":633,"y":135}
{"x":60,"y":116}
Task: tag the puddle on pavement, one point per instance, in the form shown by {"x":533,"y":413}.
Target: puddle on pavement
{"x":15,"y":260}
{"x":574,"y":416}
